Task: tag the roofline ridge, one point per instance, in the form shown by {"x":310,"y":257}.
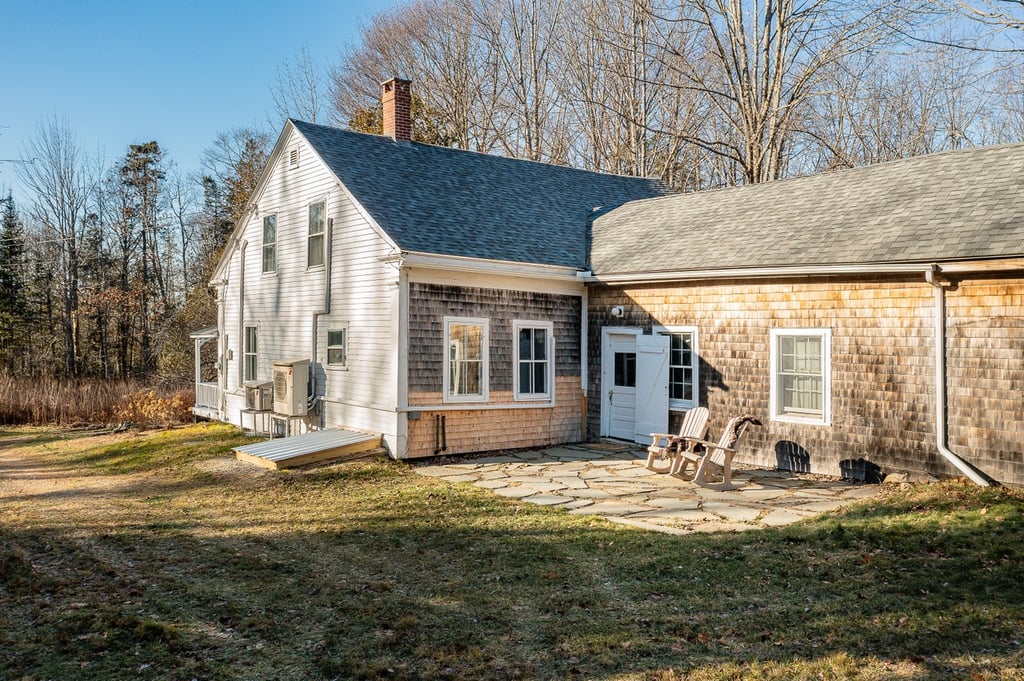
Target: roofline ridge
{"x":484,"y":154}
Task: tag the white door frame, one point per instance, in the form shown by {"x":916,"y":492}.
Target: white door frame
{"x":608,"y":370}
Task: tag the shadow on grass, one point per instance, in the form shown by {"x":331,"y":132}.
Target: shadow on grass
{"x":366,"y":571}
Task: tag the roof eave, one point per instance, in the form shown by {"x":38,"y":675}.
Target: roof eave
{"x":784,"y":271}
{"x":464,"y":264}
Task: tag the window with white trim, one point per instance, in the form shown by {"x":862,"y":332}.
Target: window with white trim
{"x":465,"y":367}
{"x":683,"y":366}
{"x":250,"y":360}
{"x":269,"y":243}
{"x":801,"y":375}
{"x":337,"y":347}
{"x":533,"y":360}
{"x":315,"y":252}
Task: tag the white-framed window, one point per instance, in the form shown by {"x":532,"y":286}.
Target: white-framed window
{"x":683,"y":367}
{"x":801,"y":376}
{"x":269,"y":243}
{"x":315,"y":251}
{"x":534,"y":363}
{"x":337,"y":347}
{"x":250,"y":358}
{"x":465,"y":366}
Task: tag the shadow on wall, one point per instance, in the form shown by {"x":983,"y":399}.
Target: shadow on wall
{"x":792,"y":457}
{"x":861,"y":470}
{"x":710,"y":378}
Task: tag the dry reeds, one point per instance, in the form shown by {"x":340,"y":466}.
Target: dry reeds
{"x":88,"y":401}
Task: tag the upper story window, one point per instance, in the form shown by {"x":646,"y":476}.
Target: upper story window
{"x":465,"y":367}
{"x":270,"y":243}
{"x":250,"y":360}
{"x":337,"y":347}
{"x":534,"y":360}
{"x":683,"y":365}
{"x":315,"y":252}
{"x":801,"y":375}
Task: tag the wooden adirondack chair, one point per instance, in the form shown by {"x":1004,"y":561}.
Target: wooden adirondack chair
{"x":717,"y":457}
{"x":663,"y":454}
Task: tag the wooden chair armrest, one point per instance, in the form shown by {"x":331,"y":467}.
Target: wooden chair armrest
{"x":713,"y":445}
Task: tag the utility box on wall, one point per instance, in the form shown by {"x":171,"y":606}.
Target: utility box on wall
{"x":290,"y":379}
{"x":259,"y":396}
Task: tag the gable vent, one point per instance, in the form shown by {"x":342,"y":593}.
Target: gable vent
{"x":293,"y":158}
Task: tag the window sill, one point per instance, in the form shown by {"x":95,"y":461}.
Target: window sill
{"x":539,"y":400}
{"x":801,"y":421}
{"x":469,"y":400}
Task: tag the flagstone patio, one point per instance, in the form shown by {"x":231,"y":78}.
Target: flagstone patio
{"x":610,"y":480}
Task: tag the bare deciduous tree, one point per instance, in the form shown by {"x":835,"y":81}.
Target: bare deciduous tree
{"x":300,"y":89}
{"x":60,"y":186}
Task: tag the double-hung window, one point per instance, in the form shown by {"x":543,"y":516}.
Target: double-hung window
{"x":250,"y":360}
{"x":337,"y":347}
{"x":465,"y":367}
{"x":683,"y":365}
{"x":534,"y":360}
{"x":801,"y":368}
{"x":270,"y":243}
{"x":315,"y":252}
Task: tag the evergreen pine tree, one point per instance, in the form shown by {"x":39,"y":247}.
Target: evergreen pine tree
{"x":13,"y":313}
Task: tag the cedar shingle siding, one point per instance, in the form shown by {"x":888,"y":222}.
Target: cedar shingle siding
{"x":985,"y":375}
{"x":507,"y":424}
{"x":883,"y":394}
{"x":429,"y":304}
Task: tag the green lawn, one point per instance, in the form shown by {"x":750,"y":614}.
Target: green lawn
{"x":154,"y":557}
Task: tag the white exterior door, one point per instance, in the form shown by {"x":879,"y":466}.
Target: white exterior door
{"x":634,"y":372}
{"x":618,"y":399}
{"x":652,"y":354}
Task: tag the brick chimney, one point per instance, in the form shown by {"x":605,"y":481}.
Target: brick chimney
{"x":396,"y":98}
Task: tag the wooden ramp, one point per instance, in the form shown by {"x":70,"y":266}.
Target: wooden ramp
{"x":319,"y":446}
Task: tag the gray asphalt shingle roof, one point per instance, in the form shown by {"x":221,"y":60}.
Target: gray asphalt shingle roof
{"x":950,"y":206}
{"x":452,"y":202}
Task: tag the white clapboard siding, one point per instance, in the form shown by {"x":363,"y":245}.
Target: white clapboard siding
{"x":364,"y":297}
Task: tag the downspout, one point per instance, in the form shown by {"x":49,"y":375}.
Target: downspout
{"x":324,"y":309}
{"x":938,"y":285}
{"x":240,"y":338}
{"x":222,"y":349}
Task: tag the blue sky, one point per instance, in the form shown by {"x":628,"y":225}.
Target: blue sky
{"x":176,"y":72}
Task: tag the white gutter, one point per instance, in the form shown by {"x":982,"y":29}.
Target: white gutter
{"x":326,"y":307}
{"x":455,"y":263}
{"x":940,"y":381}
{"x":241,"y":311}
{"x":220,"y":286}
{"x":754,"y":272}
{"x":799,"y":271}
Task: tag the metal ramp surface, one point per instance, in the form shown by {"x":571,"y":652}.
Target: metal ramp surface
{"x":318,"y":446}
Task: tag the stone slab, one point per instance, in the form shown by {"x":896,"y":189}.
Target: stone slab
{"x":492,"y":484}
{"x":515,"y":492}
{"x":612,"y":508}
{"x":732,"y":512}
{"x":780,"y":517}
{"x":547,"y":499}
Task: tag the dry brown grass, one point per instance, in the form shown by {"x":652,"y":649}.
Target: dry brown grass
{"x":157,"y":555}
{"x":70,"y":402}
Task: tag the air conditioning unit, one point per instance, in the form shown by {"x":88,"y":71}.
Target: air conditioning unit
{"x":259,"y":396}
{"x":290,"y":387}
